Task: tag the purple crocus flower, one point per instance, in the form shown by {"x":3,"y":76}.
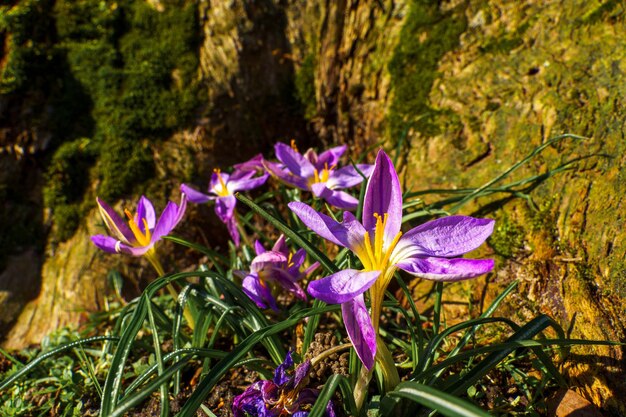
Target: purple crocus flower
{"x":138,"y":235}
{"x":318,"y":173}
{"x":429,"y":251}
{"x":283,"y":396}
{"x":277,"y":265}
{"x":222,"y":189}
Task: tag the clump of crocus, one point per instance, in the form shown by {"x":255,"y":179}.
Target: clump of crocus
{"x":222,"y":189}
{"x":278,"y":266}
{"x":283,"y":396}
{"x":138,"y":235}
{"x":318,"y":174}
{"x":430,"y":251}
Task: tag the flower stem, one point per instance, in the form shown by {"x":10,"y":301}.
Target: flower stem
{"x":242,"y":230}
{"x":156,"y":264}
{"x":329,"y":352}
{"x":384,"y":359}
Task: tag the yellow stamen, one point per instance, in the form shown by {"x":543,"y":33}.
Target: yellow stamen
{"x":142,"y":238}
{"x":394,"y":242}
{"x":293,"y":145}
{"x":370,"y":253}
{"x":224,"y":191}
{"x":323,"y":176}
{"x":290,"y":261}
{"x":376,"y":256}
{"x":378,"y":236}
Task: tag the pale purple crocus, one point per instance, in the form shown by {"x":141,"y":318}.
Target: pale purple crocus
{"x":282,"y":396}
{"x":222,"y":189}
{"x":141,"y":231}
{"x":318,"y":174}
{"x":276,"y":266}
{"x":430,"y":251}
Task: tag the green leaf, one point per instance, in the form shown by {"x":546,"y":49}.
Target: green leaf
{"x":440,"y":401}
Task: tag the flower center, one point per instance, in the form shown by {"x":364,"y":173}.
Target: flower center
{"x":220,"y":190}
{"x":321,"y":176}
{"x":287,"y":403}
{"x":376,"y":256}
{"x":142,"y":238}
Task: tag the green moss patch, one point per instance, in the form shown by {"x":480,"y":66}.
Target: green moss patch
{"x":426,"y":36}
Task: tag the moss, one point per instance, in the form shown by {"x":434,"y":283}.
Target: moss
{"x":67,"y":179}
{"x":507,"y":239}
{"x":425,"y":37}
{"x":131,"y":71}
{"x":305,"y":86}
{"x":128,"y":164}
{"x":599,"y":13}
{"x":26,"y":29}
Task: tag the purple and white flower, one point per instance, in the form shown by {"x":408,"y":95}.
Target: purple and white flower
{"x":278,"y":266}
{"x":138,"y":235}
{"x":318,"y":173}
{"x":430,"y":251}
{"x":283,"y":396}
{"x":222,"y":189}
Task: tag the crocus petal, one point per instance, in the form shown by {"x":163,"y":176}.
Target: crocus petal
{"x":145,"y":210}
{"x":240,"y":175}
{"x":285,"y":280}
{"x":133,"y":250}
{"x":349,"y":234}
{"x":360,"y":330}
{"x":225,"y":207}
{"x":310,"y":269}
{"x":342,"y":286}
{"x":295,"y":162}
{"x":235,"y":185}
{"x":298,"y":258}
{"x":383,"y":197}
{"x":251,"y":401}
{"x":442,"y":269}
{"x":335,"y":198}
{"x":168,"y":220}
{"x":233,"y":230}
{"x":302,"y":371}
{"x":253,"y":164}
{"x":348,"y":176}
{"x":280,"y":373}
{"x":106,"y":243}
{"x":330,"y":157}
{"x":285,"y":176}
{"x":446,"y":237}
{"x":281,"y":245}
{"x":258,"y":247}
{"x":267,"y":259}
{"x":259,"y":293}
{"x":114,"y":223}
{"x":194,"y":196}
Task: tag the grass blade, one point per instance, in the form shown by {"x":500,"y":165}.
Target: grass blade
{"x":440,"y":401}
